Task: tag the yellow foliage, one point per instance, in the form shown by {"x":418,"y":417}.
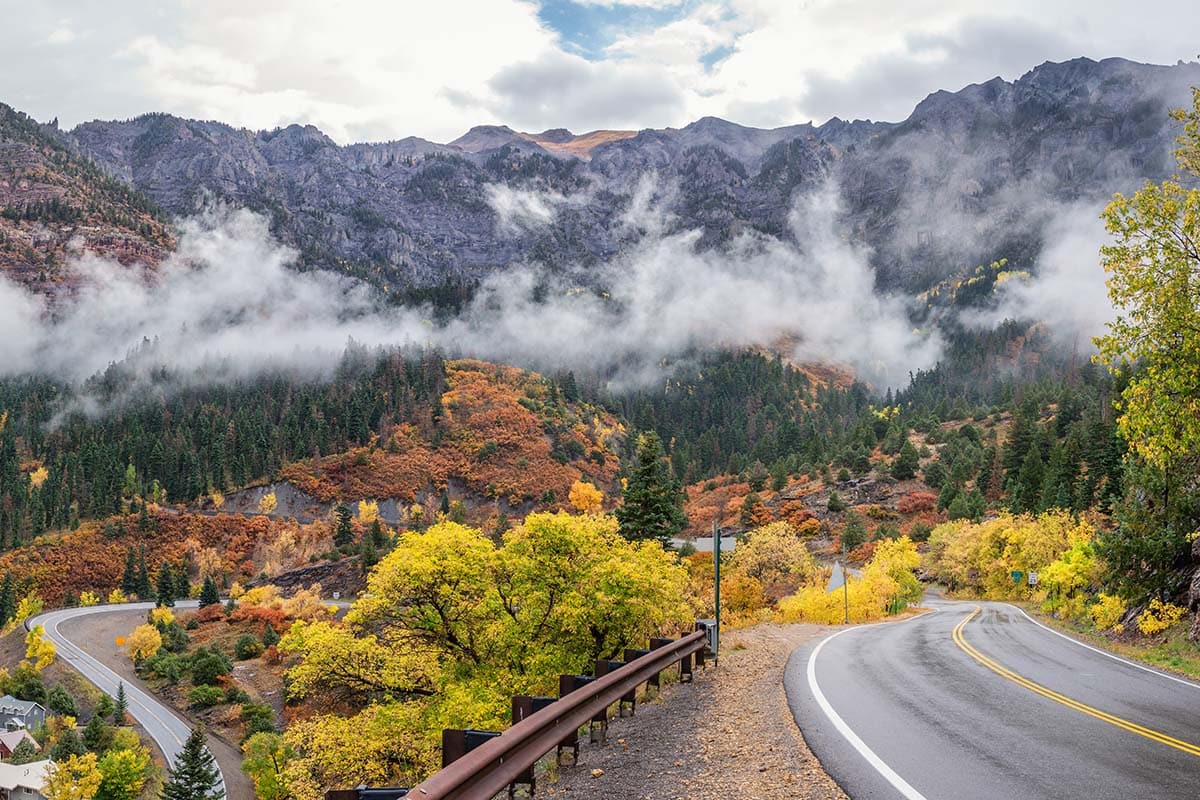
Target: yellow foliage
{"x":887,"y":582}
{"x":306,"y":604}
{"x":268,"y":503}
{"x":38,"y":477}
{"x":774,"y":554}
{"x":237,"y":590}
{"x":116,"y":596}
{"x":586,"y":498}
{"x":144,"y":642}
{"x":161,"y":615}
{"x":38,"y":649}
{"x":30,"y":606}
{"x":1107,"y":611}
{"x":1159,"y":616}
{"x":73,"y":778}
{"x":981,"y":557}
{"x":218,"y":499}
{"x":88,"y":599}
{"x":382,"y":745}
{"x":368,"y":511}
{"x":265,"y":596}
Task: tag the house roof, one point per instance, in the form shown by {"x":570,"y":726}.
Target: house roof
{"x":11,"y":739}
{"x":11,"y":705}
{"x":31,"y":776}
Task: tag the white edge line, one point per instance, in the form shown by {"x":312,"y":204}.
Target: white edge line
{"x":53,"y":618}
{"x":889,"y":774}
{"x":1113,"y":656}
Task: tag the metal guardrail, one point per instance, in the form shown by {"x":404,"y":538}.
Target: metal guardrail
{"x":494,"y":765}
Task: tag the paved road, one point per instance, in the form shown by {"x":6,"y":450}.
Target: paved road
{"x":165,"y":726}
{"x":979,"y":701}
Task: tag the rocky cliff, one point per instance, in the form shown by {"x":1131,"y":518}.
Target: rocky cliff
{"x":968,"y":177}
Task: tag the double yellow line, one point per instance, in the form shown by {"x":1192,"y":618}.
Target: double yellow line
{"x":1083,"y":708}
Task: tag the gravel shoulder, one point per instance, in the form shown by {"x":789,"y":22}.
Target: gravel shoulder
{"x":730,"y":733}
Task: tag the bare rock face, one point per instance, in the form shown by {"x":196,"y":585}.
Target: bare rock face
{"x":970,"y":176}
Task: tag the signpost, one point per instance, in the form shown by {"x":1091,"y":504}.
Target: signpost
{"x":717,"y":590}
{"x":838,"y":578}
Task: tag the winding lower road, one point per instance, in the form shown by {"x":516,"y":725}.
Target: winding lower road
{"x":164,"y":725}
{"x":981,"y":702}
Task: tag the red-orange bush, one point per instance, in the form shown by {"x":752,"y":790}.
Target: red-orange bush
{"x":917,"y":502}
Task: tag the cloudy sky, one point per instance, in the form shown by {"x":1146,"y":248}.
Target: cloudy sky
{"x":368,"y":71}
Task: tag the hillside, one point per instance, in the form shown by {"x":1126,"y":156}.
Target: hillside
{"x":495,"y":442}
{"x":53,"y":203}
{"x":967,"y":178}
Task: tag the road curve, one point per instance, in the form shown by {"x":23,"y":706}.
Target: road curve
{"x":980,"y":701}
{"x":164,"y":725}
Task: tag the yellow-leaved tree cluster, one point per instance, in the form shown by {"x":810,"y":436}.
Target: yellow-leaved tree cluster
{"x":452,"y":625}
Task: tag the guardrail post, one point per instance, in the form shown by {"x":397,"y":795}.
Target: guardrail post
{"x":685,"y":669}
{"x":566,"y":685}
{"x":654,"y":645}
{"x":457,"y":742}
{"x":522,"y":707}
{"x":605,"y":666}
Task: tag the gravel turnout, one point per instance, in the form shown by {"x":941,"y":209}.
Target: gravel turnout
{"x":727,"y":734}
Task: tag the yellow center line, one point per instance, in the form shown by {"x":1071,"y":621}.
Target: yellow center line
{"x":1050,"y":694}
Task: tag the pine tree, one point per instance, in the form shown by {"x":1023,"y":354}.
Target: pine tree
{"x":145,"y":589}
{"x":8,"y":600}
{"x":120,"y":706}
{"x":209,"y":594}
{"x":194,"y":775}
{"x":906,"y":463}
{"x":166,"y":586}
{"x":183,"y":586}
{"x":650,"y":507}
{"x":368,"y":555}
{"x":129,"y":579}
{"x":343,"y":533}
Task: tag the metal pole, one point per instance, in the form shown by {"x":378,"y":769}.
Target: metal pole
{"x":717,"y":590}
{"x":845,"y":584}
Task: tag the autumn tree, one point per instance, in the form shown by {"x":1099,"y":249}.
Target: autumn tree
{"x":39,"y":649}
{"x":268,"y":503}
{"x":123,"y":773}
{"x":585,"y":497}
{"x":1153,"y":267}
{"x":74,"y":778}
{"x":650,"y":507}
{"x":144,"y":642}
{"x":194,"y":776}
{"x":265,"y":755}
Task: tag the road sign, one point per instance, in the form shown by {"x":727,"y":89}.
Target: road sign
{"x":1033,"y":578}
{"x":837,"y":578}
{"x":1016,"y":576}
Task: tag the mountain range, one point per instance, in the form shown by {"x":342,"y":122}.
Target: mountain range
{"x":968,"y":177}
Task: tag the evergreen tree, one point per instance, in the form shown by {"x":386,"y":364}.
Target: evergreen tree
{"x":68,"y":744}
{"x":270,"y":635}
{"x":8,"y":600}
{"x":209,"y":594}
{"x":145,"y":589}
{"x":194,"y":775}
{"x":368,"y":555}
{"x":129,"y":579}
{"x":343,"y":533}
{"x":97,"y":736}
{"x":120,"y":706}
{"x":650,"y":507}
{"x":855,"y":532}
{"x":24,"y":753}
{"x":906,"y":463}
{"x":377,"y":536}
{"x":183,"y":586}
{"x":166,"y":586}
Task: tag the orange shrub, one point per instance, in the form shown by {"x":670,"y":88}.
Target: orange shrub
{"x":917,"y":502}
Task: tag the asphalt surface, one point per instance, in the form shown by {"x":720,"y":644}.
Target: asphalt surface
{"x":1004,"y":708}
{"x":164,"y":725}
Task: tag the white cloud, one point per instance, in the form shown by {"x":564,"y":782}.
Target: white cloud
{"x":370,"y":69}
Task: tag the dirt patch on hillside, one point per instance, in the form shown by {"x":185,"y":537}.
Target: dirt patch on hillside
{"x":728,"y":734}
